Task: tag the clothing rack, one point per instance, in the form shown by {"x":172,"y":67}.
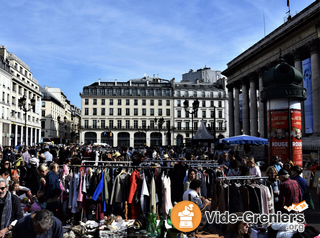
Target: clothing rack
{"x":118,"y":166}
{"x":239,"y":178}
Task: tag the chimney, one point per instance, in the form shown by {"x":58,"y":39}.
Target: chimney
{"x":99,"y":82}
{"x":115,"y":82}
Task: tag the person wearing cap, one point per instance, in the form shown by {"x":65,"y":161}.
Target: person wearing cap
{"x":253,"y":167}
{"x":296,"y":171}
{"x":290,"y":192}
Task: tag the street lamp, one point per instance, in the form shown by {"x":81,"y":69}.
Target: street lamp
{"x":22,"y":102}
{"x":195,"y":107}
{"x":160,"y":123}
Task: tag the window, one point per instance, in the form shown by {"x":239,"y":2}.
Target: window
{"x":15,"y":65}
{"x":94,"y":111}
{"x":196,"y":114}
{"x":143,"y":102}
{"x":86,"y":101}
{"x":203,"y":114}
{"x":119,"y":101}
{"x":43,"y":124}
{"x":111,"y":124}
{"x":127,"y":102}
{"x":43,"y":104}
{"x":168,"y":112}
{"x":212,"y":125}
{"x":152,"y":102}
{"x":151,"y":112}
{"x":203,"y":94}
{"x":94,"y":123}
{"x":103,"y":102}
{"x":195,"y":125}
{"x":135,"y":124}
{"x":159,"y":112}
{"x":103,"y":112}
{"x":152,"y":124}
{"x":179,"y":113}
{"x":86,"y":111}
{"x":119,"y":111}
{"x":111,"y":102}
{"x":204,"y":103}
{"x":211,"y":104}
{"x":220,"y":104}
{"x":144,"y":124}
{"x":212,"y":114}
{"x":135,"y":112}
{"x":220,"y":114}
{"x":187,"y":126}
{"x":195,"y":94}
{"x":160,"y":103}
{"x":220,"y":125}
{"x":43,"y":113}
{"x":187,"y":114}
{"x":127,"y":124}
{"x":94,"y":101}
{"x":179,"y":125}
{"x":144,"y":112}
{"x":103,"y":123}
{"x":111,"y":111}
{"x":168,"y":102}
{"x":179,"y":103}
{"x":178,"y":94}
{"x":119,"y":122}
{"x":127,"y":111}
{"x":135,"y":102}
{"x":86,"y":123}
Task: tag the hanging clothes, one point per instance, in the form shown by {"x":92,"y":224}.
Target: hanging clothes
{"x":153,"y":202}
{"x":144,"y":194}
{"x":133,"y":188}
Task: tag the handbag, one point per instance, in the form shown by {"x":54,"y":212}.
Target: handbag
{"x":307,"y":197}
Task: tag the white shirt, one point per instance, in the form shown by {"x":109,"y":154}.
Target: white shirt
{"x":194,"y":197}
{"x":48,"y":156}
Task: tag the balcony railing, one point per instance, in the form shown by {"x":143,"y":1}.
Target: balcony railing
{"x":149,"y":128}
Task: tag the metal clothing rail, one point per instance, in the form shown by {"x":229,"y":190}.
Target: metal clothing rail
{"x":118,"y":166}
{"x":180,"y":160}
{"x":107,"y":162}
{"x":241,"y":177}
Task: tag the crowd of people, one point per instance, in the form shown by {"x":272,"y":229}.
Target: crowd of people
{"x":29,"y":175}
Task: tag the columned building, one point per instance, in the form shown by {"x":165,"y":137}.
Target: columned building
{"x":24,"y":123}
{"x":298,"y":41}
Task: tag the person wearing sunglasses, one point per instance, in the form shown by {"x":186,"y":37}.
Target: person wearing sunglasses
{"x":10,"y":208}
{"x":240,"y":229}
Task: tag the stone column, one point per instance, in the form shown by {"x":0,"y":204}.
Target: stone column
{"x":315,"y":72}
{"x":237,"y":127}
{"x":245,"y":107}
{"x":98,"y":137}
{"x":231,"y":110}
{"x":262,"y":116}
{"x":31,"y":135}
{"x":253,"y":105}
{"x":15,"y":134}
{"x":297,"y":56}
{"x":115,"y":139}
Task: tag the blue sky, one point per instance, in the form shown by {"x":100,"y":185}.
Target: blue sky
{"x":72,"y":43}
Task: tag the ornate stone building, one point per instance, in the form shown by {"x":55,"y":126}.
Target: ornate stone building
{"x":298,"y":39}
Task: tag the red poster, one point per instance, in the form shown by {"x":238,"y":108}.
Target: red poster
{"x":296,"y":136}
{"x":278,"y":135}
